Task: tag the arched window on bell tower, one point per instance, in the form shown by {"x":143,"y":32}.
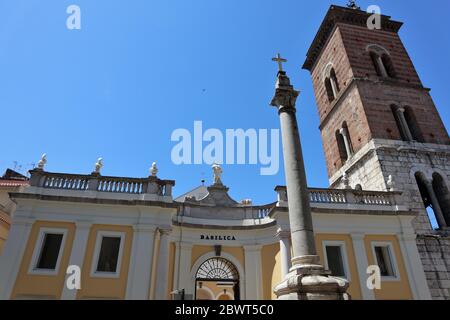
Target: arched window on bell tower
{"x":413,"y":126}
{"x":436,"y":198}
{"x":344,"y":143}
{"x":443,"y":195}
{"x":382,"y":61}
{"x":400,"y":120}
{"x":341,"y":147}
{"x":331,"y":83}
{"x":407,"y":123}
{"x":388,"y":65}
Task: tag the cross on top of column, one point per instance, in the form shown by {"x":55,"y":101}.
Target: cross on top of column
{"x":280,"y":61}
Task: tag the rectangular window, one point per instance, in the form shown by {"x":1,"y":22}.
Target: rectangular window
{"x":48,"y":257}
{"x":335,"y":260}
{"x":108,"y":256}
{"x":384,"y":261}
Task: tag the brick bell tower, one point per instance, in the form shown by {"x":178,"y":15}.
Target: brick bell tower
{"x":380,"y":127}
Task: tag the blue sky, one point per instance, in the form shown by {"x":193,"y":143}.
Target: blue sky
{"x":137,"y":70}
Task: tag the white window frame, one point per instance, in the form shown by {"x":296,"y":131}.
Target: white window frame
{"x":98,"y":244}
{"x":392,"y":256}
{"x":341,"y":244}
{"x":33,"y":269}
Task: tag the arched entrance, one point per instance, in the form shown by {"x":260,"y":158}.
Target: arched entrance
{"x":219,"y":277}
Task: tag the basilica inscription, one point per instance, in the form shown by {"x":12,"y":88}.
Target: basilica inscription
{"x":217,"y":238}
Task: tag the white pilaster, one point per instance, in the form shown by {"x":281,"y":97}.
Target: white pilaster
{"x":362,"y":264}
{"x":183,"y":258}
{"x":77,"y":255}
{"x":12,"y":255}
{"x":139,"y":274}
{"x":162,"y":270}
{"x":414,"y":268}
{"x":253,"y":273}
{"x":285,"y":252}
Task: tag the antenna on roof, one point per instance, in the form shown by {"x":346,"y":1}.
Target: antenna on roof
{"x":17,"y":166}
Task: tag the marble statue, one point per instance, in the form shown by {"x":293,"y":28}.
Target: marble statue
{"x":390,"y":183}
{"x":217,"y":171}
{"x":42,"y":162}
{"x":154,"y":170}
{"x":98,"y":165}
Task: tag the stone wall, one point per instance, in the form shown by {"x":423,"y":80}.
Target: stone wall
{"x":372,"y":166}
{"x":435,"y":254}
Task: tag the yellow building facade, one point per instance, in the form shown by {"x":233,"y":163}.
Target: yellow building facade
{"x":89,"y":236}
{"x":129,"y":239}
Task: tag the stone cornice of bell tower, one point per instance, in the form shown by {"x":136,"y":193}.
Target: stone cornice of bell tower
{"x":438,"y":150}
{"x":336,"y":15}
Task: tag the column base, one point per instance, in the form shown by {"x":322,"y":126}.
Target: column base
{"x":308,"y":280}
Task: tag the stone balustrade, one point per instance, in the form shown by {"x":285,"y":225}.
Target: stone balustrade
{"x":262,"y":211}
{"x":347,"y":196}
{"x":96,"y":182}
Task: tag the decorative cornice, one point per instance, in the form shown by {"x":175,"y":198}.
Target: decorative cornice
{"x":218,"y":227}
{"x":93,"y":200}
{"x":361,"y":212}
{"x":335,"y":15}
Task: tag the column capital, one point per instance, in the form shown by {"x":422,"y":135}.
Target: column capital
{"x":357,"y":236}
{"x":408,"y":236}
{"x":282,"y":234}
{"x":83,"y":224}
{"x":144,"y":228}
{"x":285,"y":96}
{"x":428,"y":183}
{"x":184,"y":245}
{"x":165,"y":232}
{"x":24,"y":221}
{"x":252,"y":248}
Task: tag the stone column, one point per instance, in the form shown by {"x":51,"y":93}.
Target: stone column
{"x":139,"y":274}
{"x":285,"y":252}
{"x":162,"y":270}
{"x":334,"y":87}
{"x":77,"y":255}
{"x":253,"y":273}
{"x":382,"y":68}
{"x":436,"y":206}
{"x":308,"y":279}
{"x":362,"y":264}
{"x":12,"y":254}
{"x":348,"y":147}
{"x":404,"y":124}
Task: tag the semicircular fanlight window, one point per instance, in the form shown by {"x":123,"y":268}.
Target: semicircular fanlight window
{"x":217,"y":269}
